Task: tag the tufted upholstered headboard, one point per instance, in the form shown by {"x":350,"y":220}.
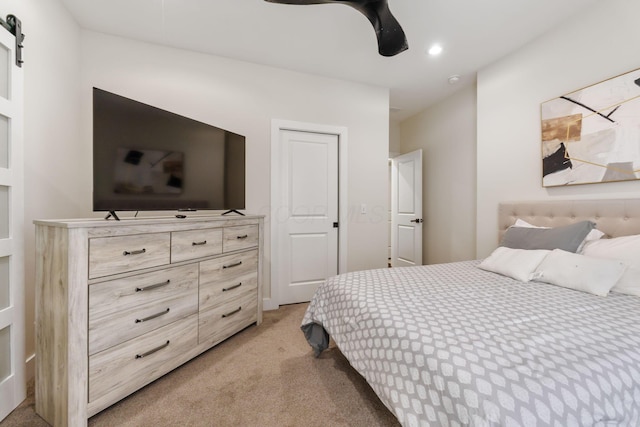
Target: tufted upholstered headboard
{"x":614,"y":217}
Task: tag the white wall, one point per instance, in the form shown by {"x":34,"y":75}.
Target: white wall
{"x":52,"y":145}
{"x":239,"y":96}
{"x":600,"y":43}
{"x":394,"y":139}
{"x":446,"y":133}
{"x":244,"y":98}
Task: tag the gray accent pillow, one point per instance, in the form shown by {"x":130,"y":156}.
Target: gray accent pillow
{"x":567,"y":238}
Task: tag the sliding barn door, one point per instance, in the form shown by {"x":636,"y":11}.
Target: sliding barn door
{"x":12,"y":329}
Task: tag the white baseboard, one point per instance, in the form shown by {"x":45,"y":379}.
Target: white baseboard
{"x":269,"y":304}
{"x":30,"y":370}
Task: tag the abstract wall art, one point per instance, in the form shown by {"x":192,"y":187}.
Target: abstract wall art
{"x":592,"y":135}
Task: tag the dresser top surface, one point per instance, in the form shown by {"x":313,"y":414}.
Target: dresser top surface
{"x":166,"y":220}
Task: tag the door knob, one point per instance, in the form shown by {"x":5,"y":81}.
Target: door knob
{"x":417,"y":220}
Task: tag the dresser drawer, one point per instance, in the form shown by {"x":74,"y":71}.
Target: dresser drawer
{"x":121,"y":370}
{"x":220,"y":322}
{"x":192,"y":244}
{"x":125,"y":308}
{"x":240,"y":237}
{"x":113,"y":255}
{"x":226,"y":273}
{"x":213,"y":294}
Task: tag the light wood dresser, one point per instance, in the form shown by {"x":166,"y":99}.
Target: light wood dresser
{"x":121,"y":303}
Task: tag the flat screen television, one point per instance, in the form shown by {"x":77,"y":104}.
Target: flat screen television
{"x":149,"y":159}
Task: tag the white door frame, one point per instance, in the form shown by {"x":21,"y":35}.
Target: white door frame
{"x":277,"y":126}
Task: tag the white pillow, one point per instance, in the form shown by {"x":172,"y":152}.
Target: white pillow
{"x":518,"y":264}
{"x":625,"y":249}
{"x":582,"y":273}
{"x":594,"y":234}
{"x":523,"y":223}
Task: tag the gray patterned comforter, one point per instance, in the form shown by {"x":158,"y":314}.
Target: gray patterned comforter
{"x":450,"y":345}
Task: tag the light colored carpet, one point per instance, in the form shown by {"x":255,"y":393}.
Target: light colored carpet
{"x":264,"y":376}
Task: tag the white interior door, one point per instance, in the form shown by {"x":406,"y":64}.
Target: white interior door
{"x":406,"y":209}
{"x":308,"y":214}
{"x":12,"y":329}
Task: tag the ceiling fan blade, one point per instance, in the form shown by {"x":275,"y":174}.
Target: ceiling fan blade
{"x":391,"y":38}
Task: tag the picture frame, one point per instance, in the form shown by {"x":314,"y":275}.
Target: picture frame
{"x":592,"y":135}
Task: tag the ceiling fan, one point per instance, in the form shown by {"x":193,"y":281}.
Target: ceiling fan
{"x":391,"y":37}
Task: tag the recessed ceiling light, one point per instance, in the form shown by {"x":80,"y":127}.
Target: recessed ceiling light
{"x":454,"y":79}
{"x":435,"y":50}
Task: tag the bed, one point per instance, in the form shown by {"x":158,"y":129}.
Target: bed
{"x":459,"y":344}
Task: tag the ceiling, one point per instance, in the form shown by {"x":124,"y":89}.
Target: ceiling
{"x":337,"y":41}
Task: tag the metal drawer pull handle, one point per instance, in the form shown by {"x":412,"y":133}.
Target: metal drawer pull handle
{"x":235,"y":264}
{"x":157,"y":285}
{"x":232,"y":313}
{"x":242,"y":237}
{"x":153,"y":316}
{"x":138,"y":252}
{"x":232,"y":287}
{"x":150,"y":352}
{"x":204,"y":242}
